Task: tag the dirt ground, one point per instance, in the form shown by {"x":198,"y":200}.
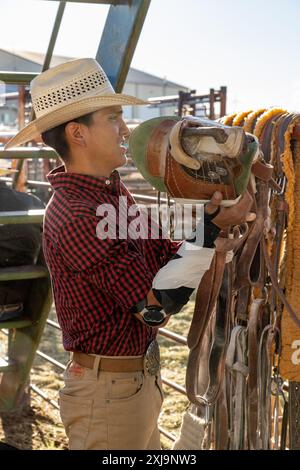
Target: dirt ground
{"x":37,"y":425}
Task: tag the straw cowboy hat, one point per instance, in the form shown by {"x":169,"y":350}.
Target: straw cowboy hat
{"x":66,"y":92}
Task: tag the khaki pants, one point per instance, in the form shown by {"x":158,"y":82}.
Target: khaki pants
{"x":110,"y":410}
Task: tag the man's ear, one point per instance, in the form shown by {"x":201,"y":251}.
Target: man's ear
{"x":75,"y":134}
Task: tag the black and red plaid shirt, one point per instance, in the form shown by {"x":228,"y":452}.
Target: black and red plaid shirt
{"x":95,"y":282}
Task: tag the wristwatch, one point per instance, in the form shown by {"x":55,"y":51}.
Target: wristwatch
{"x":153,"y":315}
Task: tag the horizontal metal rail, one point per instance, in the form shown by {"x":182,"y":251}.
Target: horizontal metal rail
{"x":140,"y":197}
{"x":43,"y":395}
{"x":38,"y":183}
{"x":34,"y":216}
{"x":54,"y":324}
{"x":167,"y":434}
{"x":28,"y":153}
{"x":7,"y":179}
{"x":51,"y":360}
{"x":174,"y":385}
{"x":161,"y":101}
{"x":173,"y":336}
{"x":18,"y":78}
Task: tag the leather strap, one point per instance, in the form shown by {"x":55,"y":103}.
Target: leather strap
{"x":110,"y":364}
{"x":236,"y":363}
{"x":266,"y":347}
{"x":250,"y":264}
{"x":206,"y":298}
{"x":263,"y":171}
{"x":254,"y":331}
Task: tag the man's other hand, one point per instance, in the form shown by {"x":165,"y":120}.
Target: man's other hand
{"x":233,"y":215}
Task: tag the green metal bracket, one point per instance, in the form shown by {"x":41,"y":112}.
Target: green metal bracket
{"x":18,"y":78}
{"x":54,"y":34}
{"x":6,"y":366}
{"x":19,"y":273}
{"x":21,"y":323}
{"x":34,"y":216}
{"x":28,"y":152}
{"x":24,"y":338}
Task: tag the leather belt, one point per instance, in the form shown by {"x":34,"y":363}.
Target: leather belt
{"x":110,"y":364}
{"x":149,"y":363}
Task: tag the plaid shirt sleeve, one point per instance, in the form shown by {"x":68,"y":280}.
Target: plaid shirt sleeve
{"x":115,"y":266}
{"x":162,"y":249}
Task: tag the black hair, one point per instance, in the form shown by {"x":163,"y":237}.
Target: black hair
{"x":56,"y":137}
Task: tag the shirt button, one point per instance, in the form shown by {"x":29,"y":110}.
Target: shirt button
{"x":107,"y":182}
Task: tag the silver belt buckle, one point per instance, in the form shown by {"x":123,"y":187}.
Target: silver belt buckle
{"x":152,"y":359}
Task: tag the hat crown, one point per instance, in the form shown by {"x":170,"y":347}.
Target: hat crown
{"x":67,"y":83}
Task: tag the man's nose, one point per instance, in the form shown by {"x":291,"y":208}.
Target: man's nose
{"x":125,"y":132}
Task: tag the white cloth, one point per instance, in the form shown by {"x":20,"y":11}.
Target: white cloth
{"x":191,"y":433}
{"x":187,"y":270}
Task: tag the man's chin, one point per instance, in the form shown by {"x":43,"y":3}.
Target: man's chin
{"x":123,"y":160}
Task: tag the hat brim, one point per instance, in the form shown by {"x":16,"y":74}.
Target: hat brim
{"x":68,"y":112}
{"x":138,"y":146}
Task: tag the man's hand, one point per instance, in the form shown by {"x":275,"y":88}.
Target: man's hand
{"x":233,"y":215}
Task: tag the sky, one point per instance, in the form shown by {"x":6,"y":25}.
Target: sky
{"x":250,"y":46}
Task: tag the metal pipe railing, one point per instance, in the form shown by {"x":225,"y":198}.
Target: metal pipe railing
{"x":43,"y":395}
{"x":167,"y":434}
{"x":174,"y":385}
{"x":173,"y":336}
{"x":51,"y":360}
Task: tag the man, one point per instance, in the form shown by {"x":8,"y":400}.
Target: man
{"x":106,"y":307}
{"x":19,"y":245}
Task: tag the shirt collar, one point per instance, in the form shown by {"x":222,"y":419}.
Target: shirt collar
{"x":59,"y":178}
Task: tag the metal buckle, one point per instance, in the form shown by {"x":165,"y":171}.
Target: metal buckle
{"x":152,"y":359}
{"x":11,"y":308}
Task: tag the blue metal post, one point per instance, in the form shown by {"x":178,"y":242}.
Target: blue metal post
{"x":119,"y":39}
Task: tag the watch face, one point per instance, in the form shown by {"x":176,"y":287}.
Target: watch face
{"x":154,"y":317}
